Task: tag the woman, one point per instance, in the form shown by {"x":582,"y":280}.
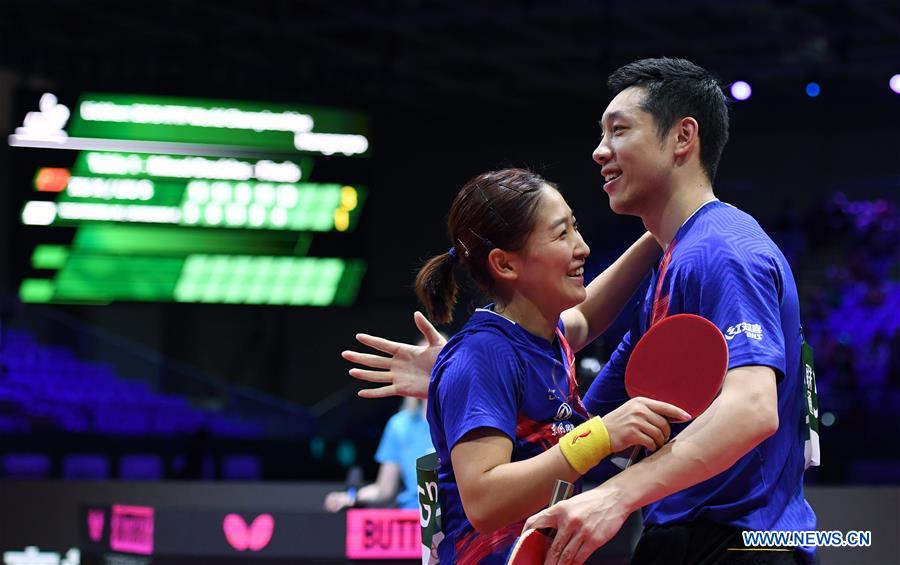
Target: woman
{"x":504,"y":412}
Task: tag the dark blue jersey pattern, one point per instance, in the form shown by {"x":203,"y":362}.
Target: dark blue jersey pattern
{"x":721,"y":265}
{"x":494,"y":374}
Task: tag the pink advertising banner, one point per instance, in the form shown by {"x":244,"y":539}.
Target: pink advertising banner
{"x":383,"y":534}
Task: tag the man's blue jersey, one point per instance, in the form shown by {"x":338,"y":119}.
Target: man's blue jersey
{"x":494,"y":374}
{"x":721,"y":265}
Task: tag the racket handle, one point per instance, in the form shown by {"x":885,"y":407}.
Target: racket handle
{"x":635,"y":456}
{"x":561,"y":491}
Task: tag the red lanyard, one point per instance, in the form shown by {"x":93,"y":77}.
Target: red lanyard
{"x":661,"y":306}
{"x":574,"y":399}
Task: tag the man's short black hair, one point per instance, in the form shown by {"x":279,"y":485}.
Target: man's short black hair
{"x":677,"y":88}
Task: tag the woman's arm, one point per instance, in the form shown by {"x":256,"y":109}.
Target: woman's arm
{"x":609,"y":292}
{"x":405,"y":369}
{"x":496,"y":492}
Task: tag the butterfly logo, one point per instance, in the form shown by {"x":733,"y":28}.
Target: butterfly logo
{"x":254,"y":537}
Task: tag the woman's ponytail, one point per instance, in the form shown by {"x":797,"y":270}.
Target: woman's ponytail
{"x":436,"y":287}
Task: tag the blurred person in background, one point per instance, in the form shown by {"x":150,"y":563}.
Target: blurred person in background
{"x":405,"y":439}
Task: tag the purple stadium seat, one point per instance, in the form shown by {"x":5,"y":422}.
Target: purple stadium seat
{"x":141,"y":467}
{"x":26,"y":465}
{"x":86,"y":466}
{"x":241,"y":468}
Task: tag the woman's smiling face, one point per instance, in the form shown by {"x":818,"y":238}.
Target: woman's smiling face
{"x":552,"y":261}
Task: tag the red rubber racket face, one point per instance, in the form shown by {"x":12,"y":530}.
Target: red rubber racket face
{"x":681,"y":360}
{"x":530,"y":549}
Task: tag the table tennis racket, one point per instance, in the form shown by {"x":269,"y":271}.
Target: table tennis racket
{"x":531,"y":547}
{"x":682,"y":360}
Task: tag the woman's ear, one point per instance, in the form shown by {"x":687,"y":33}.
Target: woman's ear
{"x":503,"y":265}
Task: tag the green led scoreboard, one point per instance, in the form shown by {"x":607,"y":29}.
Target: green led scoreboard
{"x":188,"y":200}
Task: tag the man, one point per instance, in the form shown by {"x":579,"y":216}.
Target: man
{"x":739,"y":465}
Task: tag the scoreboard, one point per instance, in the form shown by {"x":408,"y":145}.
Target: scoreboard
{"x":190,"y":200}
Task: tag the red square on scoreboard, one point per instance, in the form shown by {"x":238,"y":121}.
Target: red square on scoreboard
{"x":51,"y":179}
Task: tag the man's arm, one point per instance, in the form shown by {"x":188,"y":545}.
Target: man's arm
{"x":744,"y":414}
{"x":609,"y":292}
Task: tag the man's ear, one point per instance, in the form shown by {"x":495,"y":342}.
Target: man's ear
{"x":503,"y":265}
{"x":686,"y":134}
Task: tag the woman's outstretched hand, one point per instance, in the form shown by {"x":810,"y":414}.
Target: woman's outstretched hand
{"x":404,"y":370}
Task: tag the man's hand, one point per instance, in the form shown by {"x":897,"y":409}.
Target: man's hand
{"x":406,"y":369}
{"x":583,"y":524}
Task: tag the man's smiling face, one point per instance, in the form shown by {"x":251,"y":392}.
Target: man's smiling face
{"x":636,"y":163}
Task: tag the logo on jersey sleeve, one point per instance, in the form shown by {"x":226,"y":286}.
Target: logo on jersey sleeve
{"x":752,"y":331}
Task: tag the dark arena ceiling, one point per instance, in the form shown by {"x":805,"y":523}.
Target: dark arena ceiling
{"x":435,"y":57}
